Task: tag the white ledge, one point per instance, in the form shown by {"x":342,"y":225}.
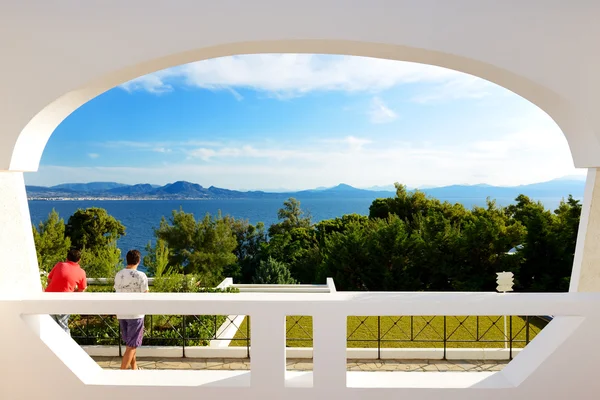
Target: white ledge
{"x":341,"y":303}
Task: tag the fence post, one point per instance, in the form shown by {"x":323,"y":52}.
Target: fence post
{"x":412,"y":328}
{"x":268,"y":351}
{"x":477,"y":332}
{"x":330,"y":350}
{"x":119,"y":340}
{"x":445,"y":337}
{"x":510,"y":336}
{"x":248,"y":336}
{"x":183,"y":326}
{"x":527,"y":330}
{"x":379,"y":337}
{"x":215,"y":323}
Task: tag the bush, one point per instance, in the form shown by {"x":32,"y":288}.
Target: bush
{"x":180,"y":283}
{"x":161,"y":330}
{"x":108,"y":288}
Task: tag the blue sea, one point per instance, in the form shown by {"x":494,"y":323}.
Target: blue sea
{"x":140,"y":217}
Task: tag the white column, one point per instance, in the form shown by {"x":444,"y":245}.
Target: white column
{"x":267,"y":350}
{"x":19,"y":274}
{"x":329,"y":355}
{"x":586,"y":265}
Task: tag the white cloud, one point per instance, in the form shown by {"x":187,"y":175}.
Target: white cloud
{"x":467,"y":87}
{"x":93,"y":155}
{"x":152,"y":83}
{"x":525,"y":154}
{"x":291,"y":75}
{"x":202,"y":153}
{"x":380,"y":113}
{"x":157,"y":147}
{"x":353,"y":143}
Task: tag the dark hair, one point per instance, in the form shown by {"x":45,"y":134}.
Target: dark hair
{"x":133,"y":257}
{"x":74,"y":255}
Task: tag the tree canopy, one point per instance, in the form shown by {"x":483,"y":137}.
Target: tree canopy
{"x":51,"y":244}
{"x":408,"y":242}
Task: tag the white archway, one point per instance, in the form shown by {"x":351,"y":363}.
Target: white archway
{"x":32,"y":140}
{"x":58,"y":55}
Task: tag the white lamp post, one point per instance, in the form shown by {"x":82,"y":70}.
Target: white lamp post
{"x":505,"y":281}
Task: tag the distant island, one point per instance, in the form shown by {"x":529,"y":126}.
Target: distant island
{"x":182,"y":190}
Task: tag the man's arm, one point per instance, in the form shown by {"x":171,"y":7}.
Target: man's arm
{"x":50,"y":275}
{"x":145,"y":284}
{"x":82,"y":284}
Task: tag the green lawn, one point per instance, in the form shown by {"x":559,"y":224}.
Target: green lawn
{"x":415,"y":331}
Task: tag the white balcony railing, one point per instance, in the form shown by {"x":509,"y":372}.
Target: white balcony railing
{"x":329,"y":312}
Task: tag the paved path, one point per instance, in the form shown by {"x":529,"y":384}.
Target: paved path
{"x":306,"y":365}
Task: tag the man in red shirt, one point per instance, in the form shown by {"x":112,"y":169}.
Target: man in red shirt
{"x":67,"y":276}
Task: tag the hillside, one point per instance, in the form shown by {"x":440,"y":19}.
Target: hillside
{"x":558,"y":188}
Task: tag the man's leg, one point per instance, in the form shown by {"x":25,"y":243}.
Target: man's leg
{"x":127,"y":357}
{"x":125,"y":336}
{"x":138,"y":327}
{"x":133,"y":332}
{"x":133,"y":360}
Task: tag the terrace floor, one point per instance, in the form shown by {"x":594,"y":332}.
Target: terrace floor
{"x":306,"y":364}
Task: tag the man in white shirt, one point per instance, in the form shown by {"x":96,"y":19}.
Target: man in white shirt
{"x":130,"y":280}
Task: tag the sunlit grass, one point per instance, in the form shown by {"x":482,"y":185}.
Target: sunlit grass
{"x":416,"y":332}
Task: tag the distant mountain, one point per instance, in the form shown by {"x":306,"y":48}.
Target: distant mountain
{"x":558,"y":188}
{"x":572,"y":178}
{"x":141,"y":188}
{"x":386,"y":188}
{"x":89,"y":187}
{"x":342,"y":187}
{"x":342,"y":190}
{"x":181,"y":189}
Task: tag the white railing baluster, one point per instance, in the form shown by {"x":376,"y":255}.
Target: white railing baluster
{"x":329,"y":350}
{"x":267,"y":350}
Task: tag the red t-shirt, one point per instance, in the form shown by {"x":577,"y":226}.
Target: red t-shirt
{"x":65,"y":276}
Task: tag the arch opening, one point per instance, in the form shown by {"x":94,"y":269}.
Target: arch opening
{"x":30,"y":143}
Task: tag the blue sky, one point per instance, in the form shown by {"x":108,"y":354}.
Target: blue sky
{"x":301,"y":121}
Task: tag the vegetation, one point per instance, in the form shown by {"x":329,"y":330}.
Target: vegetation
{"x":407,"y":242}
{"x":413,"y":332}
{"x":51,"y":244}
{"x":161,"y":330}
{"x":202,"y":247}
{"x":96,"y":232}
{"x":157,"y":260}
{"x":271,"y":271}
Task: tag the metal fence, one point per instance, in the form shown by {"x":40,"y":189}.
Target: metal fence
{"x":441,"y":332}
{"x":160,"y":330}
{"x":378,"y":332}
{"x":445,"y":332}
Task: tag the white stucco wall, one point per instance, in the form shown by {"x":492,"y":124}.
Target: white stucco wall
{"x":56,"y":55}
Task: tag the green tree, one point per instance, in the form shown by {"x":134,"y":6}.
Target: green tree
{"x":95,"y":232}
{"x":156,"y":260}
{"x":93,"y":228}
{"x":51,"y":245}
{"x":202,"y":247}
{"x":487,"y":235}
{"x":101,"y":262}
{"x":291,"y":216}
{"x":347,"y":260}
{"x":271,"y":271}
{"x":549,"y":245}
{"x":298,"y":248}
{"x":250,"y":242}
